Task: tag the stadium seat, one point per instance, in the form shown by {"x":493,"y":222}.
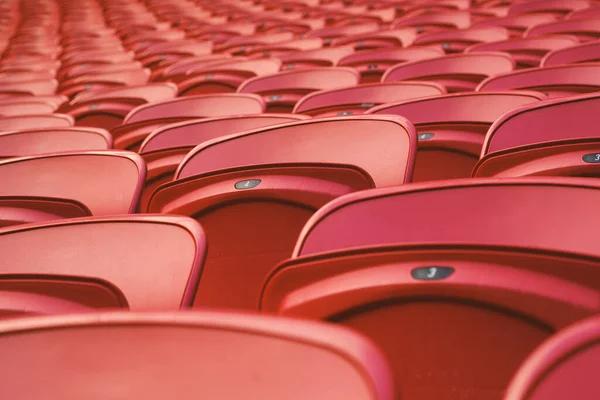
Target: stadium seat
{"x":32,"y":142}
{"x":564,"y":141}
{"x":556,"y":81}
{"x":483,"y":291}
{"x":127,"y":77}
{"x":432,"y":22}
{"x":16,"y":210}
{"x":456,"y":41}
{"x":518,"y":24}
{"x":358,"y":99}
{"x":107,"y":182}
{"x":562,"y":365}
{"x":528,"y":52}
{"x":176,"y":71}
{"x":450,"y":139}
{"x":325,"y":57}
{"x":316,"y":161}
{"x":142,"y":120}
{"x":457,"y":72}
{"x":401,"y":37}
{"x":281,"y":91}
{"x":560,"y":8}
{"x":28,"y":107}
{"x":585,"y":13}
{"x":291,"y":46}
{"x":240,"y":44}
{"x":584,"y":29}
{"x":17,"y":122}
{"x":225,"y":77}
{"x":200,"y":355}
{"x":40,"y":87}
{"x":585,"y":52}
{"x":328,"y":34}
{"x":373,"y":63}
{"x":137,"y":262}
{"x":165,"y":148}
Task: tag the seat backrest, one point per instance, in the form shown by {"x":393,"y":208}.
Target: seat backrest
{"x":585,"y":52}
{"x":557,"y":81}
{"x":455,"y":41}
{"x":459,"y":19}
{"x":201,"y":355}
{"x":479,"y":213}
{"x":562,"y":365}
{"x":32,"y":142}
{"x":26,"y":108}
{"x":457,"y":72}
{"x":35,"y":87}
{"x":198,"y":107}
{"x":138,"y":262}
{"x":152,"y":92}
{"x":19,"y":122}
{"x":358,"y":99}
{"x":107,"y":182}
{"x":584,"y":29}
{"x":324,"y":57}
{"x":540,"y":6}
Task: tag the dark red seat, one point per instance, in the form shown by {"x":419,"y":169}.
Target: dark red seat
{"x":451,"y":138}
{"x":16,"y":210}
{"x":452,"y":263}
{"x":550,"y":138}
{"x":295,"y":169}
{"x":165,"y":148}
{"x":556,"y":81}
{"x":457,"y":72}
{"x":358,"y":99}
{"x":200,"y":355}
{"x":136,"y":262}
{"x":107,"y":182}
{"x":142,"y":120}
{"x":281,"y":91}
{"x":561,"y":366}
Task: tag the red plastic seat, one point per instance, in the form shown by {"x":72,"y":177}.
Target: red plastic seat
{"x":16,"y":210}
{"x":240,"y":44}
{"x":18,"y":122}
{"x":557,"y":81}
{"x":200,"y":353}
{"x":225,"y":77}
{"x":142,"y":120}
{"x":557,"y":7}
{"x":456,"y":41}
{"x":281,"y":91}
{"x":585,"y":13}
{"x":484,"y":291}
{"x":561,"y":366}
{"x":31,"y":142}
{"x":16,"y":107}
{"x":107,"y":182}
{"x":527,"y":52}
{"x":451,"y":138}
{"x":563,"y":143}
{"x":176,"y":71}
{"x":291,"y":46}
{"x":325,"y":57}
{"x":458,"y":72}
{"x":401,"y":37}
{"x":69,"y":74}
{"x":358,"y":99}
{"x":40,"y":87}
{"x":18,"y":304}
{"x":172,"y":51}
{"x":585,"y":52}
{"x":135,"y":262}
{"x":328,"y":34}
{"x":372,"y":64}
{"x":431,"y":22}
{"x":223,"y":183}
{"x":165,"y":148}
{"x":584,"y":29}
{"x":107,"y":108}
{"x":128,"y":77}
{"x":518,"y":24}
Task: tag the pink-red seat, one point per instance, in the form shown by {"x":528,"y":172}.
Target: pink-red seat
{"x":451,"y":137}
{"x":401,"y":37}
{"x":137,"y":262}
{"x":563,"y":365}
{"x":200,"y":355}
{"x":291,"y":46}
{"x":281,"y":91}
{"x":240,"y":44}
{"x":107,"y":182}
{"x":373,"y":63}
{"x":254,"y":180}
{"x":582,"y":53}
{"x":436,"y":21}
{"x":127,"y":77}
{"x":484,"y":291}
{"x":142,"y":120}
{"x":16,"y":210}
{"x":17,"y":107}
{"x":325,"y":57}
{"x":527,"y":52}
{"x":328,"y":34}
{"x":40,"y":87}
{"x":584,"y":29}
{"x":518,"y":24}
{"x":31,"y":142}
{"x":556,"y":81}
{"x":557,"y":7}
{"x":551,"y":138}
{"x":457,"y":72}
{"x":165,"y":148}
{"x":17,"y":122}
{"x":358,"y":99}
{"x":455,"y":41}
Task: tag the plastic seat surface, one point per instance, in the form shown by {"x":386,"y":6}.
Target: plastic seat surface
{"x":457,"y":72}
{"x":17,"y":107}
{"x":358,"y":99}
{"x":585,"y":52}
{"x":584,"y":29}
{"x":401,"y":37}
{"x":329,"y":157}
{"x":19,"y":122}
{"x":561,"y":366}
{"x":449,"y":19}
{"x":553,"y":6}
{"x":165,"y":148}
{"x":34,"y":87}
{"x":282,"y":91}
{"x":455,"y":41}
{"x":518,"y":24}
{"x":200,"y":353}
{"x":451,"y":138}
{"x":137,"y":262}
{"x":107,"y":182}
{"x":141,"y":121}
{"x":563,"y":143}
{"x":16,"y":210}
{"x":556,"y":81}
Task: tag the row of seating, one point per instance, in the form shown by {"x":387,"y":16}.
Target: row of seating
{"x":366,"y":199}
